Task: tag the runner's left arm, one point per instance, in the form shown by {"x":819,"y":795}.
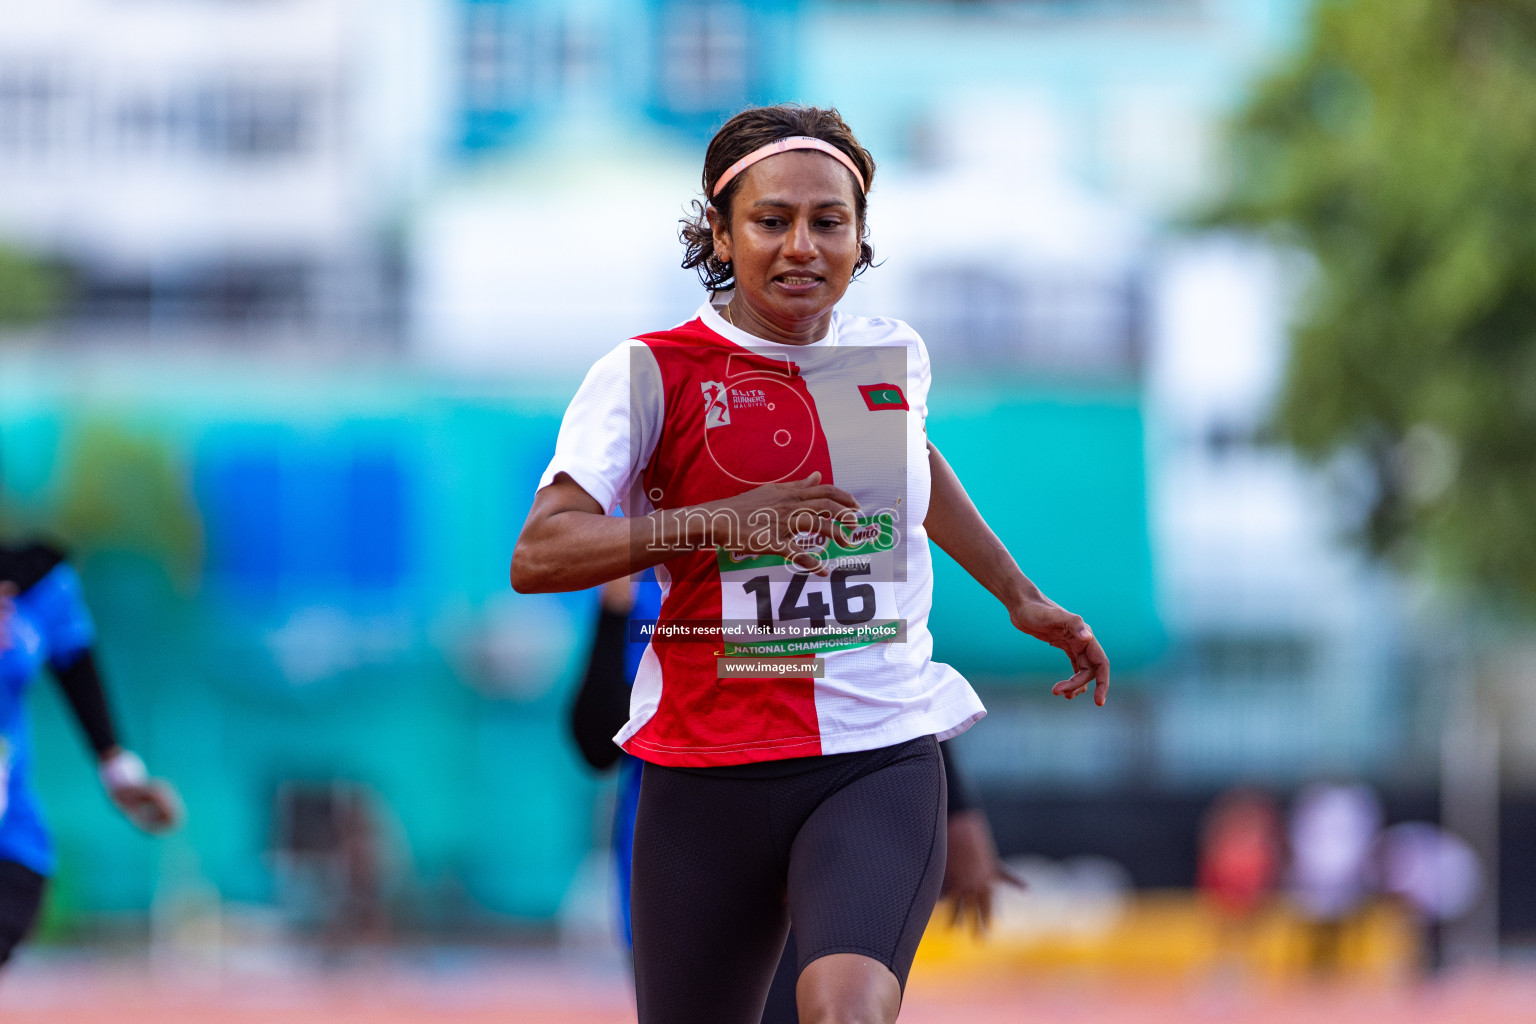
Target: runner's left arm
{"x":955,"y":525}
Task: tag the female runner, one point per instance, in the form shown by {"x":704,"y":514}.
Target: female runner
{"x":601,"y":708}
{"x":771,"y":459}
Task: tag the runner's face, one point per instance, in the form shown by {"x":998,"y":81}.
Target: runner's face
{"x":793,"y":239}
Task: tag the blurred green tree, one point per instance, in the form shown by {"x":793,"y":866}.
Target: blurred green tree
{"x":29,"y":290}
{"x":1398,"y":149}
{"x":126,"y":491}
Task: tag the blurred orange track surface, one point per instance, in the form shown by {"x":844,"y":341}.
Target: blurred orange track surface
{"x":86,"y":992}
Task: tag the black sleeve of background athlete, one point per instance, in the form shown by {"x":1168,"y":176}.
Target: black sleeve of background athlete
{"x":602,"y":704}
{"x":26,"y":565}
{"x":82,"y":687}
{"x":959,"y":794}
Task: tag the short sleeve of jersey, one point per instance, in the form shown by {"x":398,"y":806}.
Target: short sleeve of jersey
{"x":611,"y":427}
{"x":922,"y":378}
{"x":56,"y":606}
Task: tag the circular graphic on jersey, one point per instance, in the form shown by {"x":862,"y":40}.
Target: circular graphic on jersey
{"x":753,"y":432}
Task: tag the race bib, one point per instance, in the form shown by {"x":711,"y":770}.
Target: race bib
{"x":769,"y":607}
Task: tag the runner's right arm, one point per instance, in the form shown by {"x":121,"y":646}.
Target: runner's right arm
{"x":608,"y":435}
{"x":568,"y":543}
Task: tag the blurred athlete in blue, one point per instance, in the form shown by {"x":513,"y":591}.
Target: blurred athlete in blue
{"x":601,"y":709}
{"x":44,"y":622}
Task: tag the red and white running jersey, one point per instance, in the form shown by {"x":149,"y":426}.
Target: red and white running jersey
{"x":705,"y":411}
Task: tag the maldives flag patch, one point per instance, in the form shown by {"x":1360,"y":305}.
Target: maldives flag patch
{"x":883,"y":396}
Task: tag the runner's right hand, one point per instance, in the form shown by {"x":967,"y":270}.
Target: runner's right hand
{"x":781,"y":519}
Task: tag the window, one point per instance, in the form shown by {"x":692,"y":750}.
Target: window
{"x":1072,"y":324}
{"x":143,"y":124}
{"x":1278,"y":659}
{"x":243,"y":498}
{"x":245,"y":294}
{"x":239,"y":119}
{"x":495,"y":61}
{"x":497,"y":71}
{"x":243,"y":120}
{"x":373,"y":520}
{"x":1047,"y":7}
{"x":34,"y":108}
{"x":304,"y":522}
{"x":703,"y":63}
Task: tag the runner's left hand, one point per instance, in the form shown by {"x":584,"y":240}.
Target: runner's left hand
{"x":1046,"y":620}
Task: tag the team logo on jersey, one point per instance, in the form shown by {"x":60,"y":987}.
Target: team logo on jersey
{"x":749,"y":398}
{"x":883,"y":396}
{"x":717,"y":411}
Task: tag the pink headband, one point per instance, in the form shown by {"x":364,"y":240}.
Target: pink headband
{"x":784,"y":146}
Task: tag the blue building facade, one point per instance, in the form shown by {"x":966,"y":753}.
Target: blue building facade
{"x":685,"y":65}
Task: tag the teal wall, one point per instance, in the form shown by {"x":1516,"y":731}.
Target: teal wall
{"x":1061,"y":478}
{"x":489,"y":810}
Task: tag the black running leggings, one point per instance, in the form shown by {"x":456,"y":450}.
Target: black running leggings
{"x":849,"y":846}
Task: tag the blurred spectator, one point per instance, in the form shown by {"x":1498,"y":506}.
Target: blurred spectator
{"x":1434,"y":872}
{"x":601,"y":708}
{"x":330,"y":861}
{"x":1240,"y":852}
{"x":1333,"y":832}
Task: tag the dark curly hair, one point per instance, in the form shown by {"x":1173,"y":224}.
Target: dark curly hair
{"x":747,"y":131}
